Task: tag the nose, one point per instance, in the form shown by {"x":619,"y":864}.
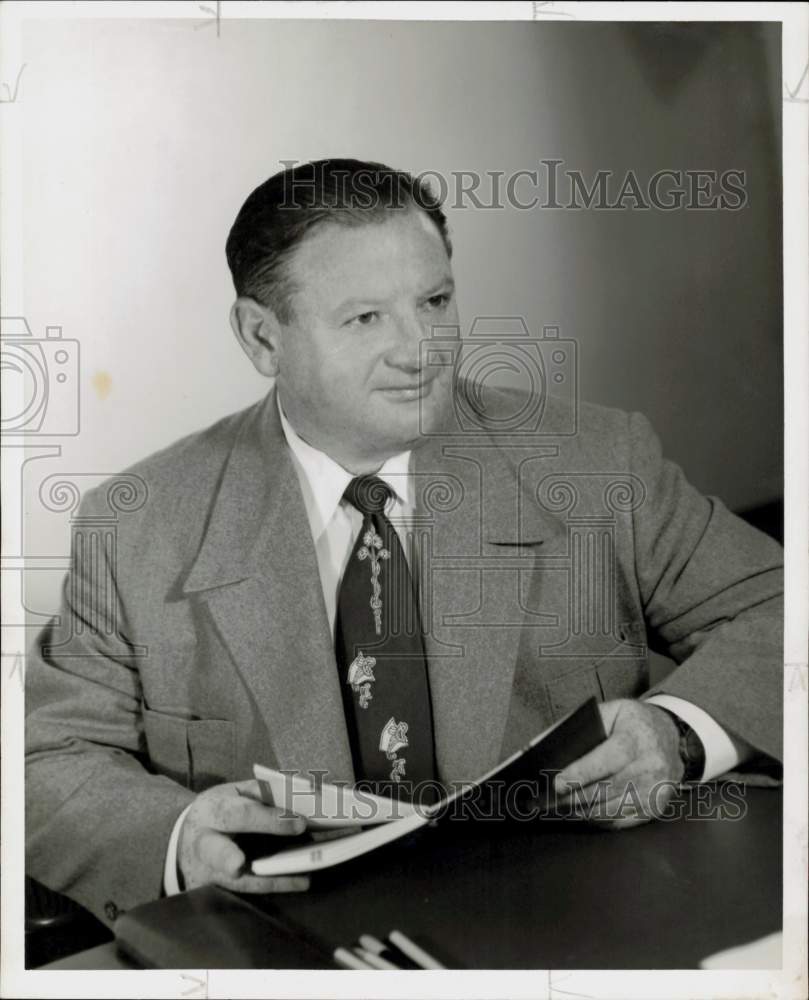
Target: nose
{"x":406,"y":350}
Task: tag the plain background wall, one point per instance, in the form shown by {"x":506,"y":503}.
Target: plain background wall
{"x":142,"y":139}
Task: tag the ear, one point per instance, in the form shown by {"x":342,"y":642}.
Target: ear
{"x":258,"y":332}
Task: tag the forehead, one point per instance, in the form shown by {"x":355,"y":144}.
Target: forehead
{"x":400,"y":254}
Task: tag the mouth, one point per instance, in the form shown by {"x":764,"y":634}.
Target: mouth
{"x":408,"y":391}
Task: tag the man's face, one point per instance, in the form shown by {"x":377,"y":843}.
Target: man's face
{"x":349,"y":369}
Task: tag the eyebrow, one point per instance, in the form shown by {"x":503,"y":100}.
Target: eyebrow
{"x":447,"y":284}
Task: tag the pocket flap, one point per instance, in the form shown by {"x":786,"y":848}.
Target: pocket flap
{"x":196,"y":753}
{"x":167,"y":744}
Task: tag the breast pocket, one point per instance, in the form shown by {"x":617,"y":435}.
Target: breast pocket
{"x":196,"y":753}
{"x":605,"y":678}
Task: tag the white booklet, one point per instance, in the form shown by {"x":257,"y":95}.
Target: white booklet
{"x":330,"y":807}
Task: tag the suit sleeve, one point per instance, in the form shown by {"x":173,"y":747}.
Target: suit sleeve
{"x":712,"y":593}
{"x":97,"y":822}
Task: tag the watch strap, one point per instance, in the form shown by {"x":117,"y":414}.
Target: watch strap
{"x":691,"y":749}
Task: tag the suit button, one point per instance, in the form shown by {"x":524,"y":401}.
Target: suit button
{"x":111,"y":910}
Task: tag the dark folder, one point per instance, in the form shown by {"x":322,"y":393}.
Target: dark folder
{"x":211,"y":928}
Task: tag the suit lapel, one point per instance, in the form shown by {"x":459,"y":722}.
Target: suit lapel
{"x":257,"y":573}
{"x":479,"y":541}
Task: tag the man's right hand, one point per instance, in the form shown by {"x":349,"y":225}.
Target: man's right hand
{"x":207,"y":854}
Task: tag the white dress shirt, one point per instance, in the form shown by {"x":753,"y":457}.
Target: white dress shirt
{"x":335,"y":524}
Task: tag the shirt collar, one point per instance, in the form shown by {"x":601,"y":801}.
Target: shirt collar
{"x":323,"y":481}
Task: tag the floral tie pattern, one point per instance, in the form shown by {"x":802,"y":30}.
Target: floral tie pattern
{"x":373,"y":549}
{"x":361,"y":676}
{"x":393,"y":739}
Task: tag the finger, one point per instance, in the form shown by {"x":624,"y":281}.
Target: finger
{"x":243,"y":815}
{"x":335,"y":833}
{"x":630,"y":796}
{"x":585,"y":799}
{"x":219,"y":853}
{"x":247,"y":787}
{"x":607,"y":798}
{"x":266,"y":883}
{"x":253,"y":789}
{"x":607,"y":759}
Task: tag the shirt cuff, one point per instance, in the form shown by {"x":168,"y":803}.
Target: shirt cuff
{"x":171,"y":879}
{"x":722,"y":751}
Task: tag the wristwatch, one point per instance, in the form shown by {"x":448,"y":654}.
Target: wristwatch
{"x":692,"y":752}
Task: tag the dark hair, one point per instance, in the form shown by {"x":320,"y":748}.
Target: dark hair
{"x":282,"y":210}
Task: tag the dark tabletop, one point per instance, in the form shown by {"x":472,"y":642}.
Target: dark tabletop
{"x":541,"y":894}
{"x":554,"y":894}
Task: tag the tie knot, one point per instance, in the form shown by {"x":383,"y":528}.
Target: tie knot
{"x":368,"y":494}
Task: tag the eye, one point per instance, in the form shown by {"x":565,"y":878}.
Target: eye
{"x":440,"y":301}
{"x":364,"y":319}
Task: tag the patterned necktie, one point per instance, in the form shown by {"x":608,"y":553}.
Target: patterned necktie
{"x":380,"y":653}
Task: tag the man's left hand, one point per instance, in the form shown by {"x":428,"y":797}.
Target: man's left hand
{"x":630,"y":777}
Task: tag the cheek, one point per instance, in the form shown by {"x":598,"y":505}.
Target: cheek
{"x":353,"y":365}
{"x":338,"y":373}
{"x":320,"y":370}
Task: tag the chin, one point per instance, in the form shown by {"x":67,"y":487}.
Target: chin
{"x":399,"y":426}
{"x":389,"y":437}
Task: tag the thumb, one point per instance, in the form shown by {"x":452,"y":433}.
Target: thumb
{"x":231,"y":858}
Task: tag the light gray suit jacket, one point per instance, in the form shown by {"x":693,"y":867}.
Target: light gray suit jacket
{"x":548,"y":561}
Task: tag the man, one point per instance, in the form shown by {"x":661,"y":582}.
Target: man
{"x":533,"y":546}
